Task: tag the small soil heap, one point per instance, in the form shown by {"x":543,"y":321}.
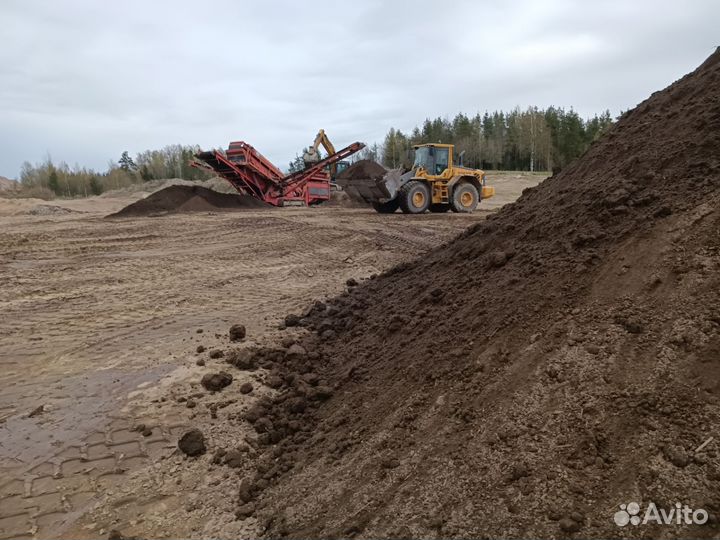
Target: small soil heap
{"x":175,"y":199}
{"x":550,"y":364}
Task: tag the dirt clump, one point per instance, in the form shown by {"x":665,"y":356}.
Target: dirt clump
{"x":180,"y":198}
{"x":214,"y":382}
{"x":243,"y":359}
{"x":292,"y":320}
{"x":144,"y":430}
{"x":234,"y":458}
{"x":37,"y":411}
{"x":461,"y":386}
{"x":237,"y":332}
{"x":192,"y":443}
{"x":245,"y":511}
{"x":114,"y":534}
{"x":296,"y":350}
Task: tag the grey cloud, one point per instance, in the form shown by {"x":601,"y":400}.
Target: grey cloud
{"x":85,"y":80}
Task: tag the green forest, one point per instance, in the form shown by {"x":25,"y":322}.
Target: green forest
{"x":522,"y":140}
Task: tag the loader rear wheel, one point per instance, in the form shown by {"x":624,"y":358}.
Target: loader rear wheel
{"x":464,"y":198}
{"x":388,"y":207}
{"x":439,"y":208}
{"x":414,"y":197}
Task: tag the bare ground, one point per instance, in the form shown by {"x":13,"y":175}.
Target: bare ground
{"x":101,"y":324}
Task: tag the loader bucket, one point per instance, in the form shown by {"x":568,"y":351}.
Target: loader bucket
{"x":369,"y":182}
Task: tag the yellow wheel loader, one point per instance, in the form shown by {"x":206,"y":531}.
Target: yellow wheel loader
{"x":435,"y":182}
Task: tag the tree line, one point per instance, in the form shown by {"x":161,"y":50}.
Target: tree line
{"x":531,"y":140}
{"x":48,"y":179}
{"x":525,"y":140}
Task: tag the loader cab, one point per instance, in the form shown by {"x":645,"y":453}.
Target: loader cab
{"x":434,"y":158}
{"x":340,"y":166}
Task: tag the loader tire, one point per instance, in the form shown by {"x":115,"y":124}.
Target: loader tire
{"x":388,"y":207}
{"x":464,"y":198}
{"x":414,"y":197}
{"x":439,"y":208}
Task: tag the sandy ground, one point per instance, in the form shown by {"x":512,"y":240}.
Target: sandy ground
{"x":100,"y":328}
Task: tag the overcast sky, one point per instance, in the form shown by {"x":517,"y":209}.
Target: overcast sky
{"x":85,"y":80}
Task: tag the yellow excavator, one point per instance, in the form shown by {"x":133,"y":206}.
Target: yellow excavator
{"x":437,"y":181}
{"x":312,"y":155}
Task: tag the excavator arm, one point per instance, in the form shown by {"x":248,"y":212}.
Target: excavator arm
{"x":312,"y":155}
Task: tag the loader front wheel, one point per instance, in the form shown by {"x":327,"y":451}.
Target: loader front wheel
{"x":464,"y":198}
{"x":414,"y":197}
{"x":388,"y":207}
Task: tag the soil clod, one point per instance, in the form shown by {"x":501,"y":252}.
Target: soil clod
{"x":215,"y":382}
{"x":192,"y":443}
{"x":237,"y":332}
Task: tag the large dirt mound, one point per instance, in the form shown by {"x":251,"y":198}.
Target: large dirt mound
{"x":556,"y":361}
{"x":183,"y":198}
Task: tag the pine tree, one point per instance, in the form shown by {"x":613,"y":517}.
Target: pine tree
{"x":95,"y":185}
{"x":54,"y":181}
{"x":296,"y":164}
{"x":126,"y":162}
{"x":145,"y":173}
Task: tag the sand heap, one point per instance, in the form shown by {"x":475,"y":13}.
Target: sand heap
{"x":183,"y":198}
{"x":550,"y":364}
{"x":6,"y":183}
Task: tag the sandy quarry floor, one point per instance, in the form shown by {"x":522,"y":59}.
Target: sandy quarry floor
{"x":101,"y":320}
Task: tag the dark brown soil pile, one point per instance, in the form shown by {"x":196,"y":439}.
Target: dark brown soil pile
{"x":365,"y":168}
{"x":554,"y":362}
{"x":175,"y":199}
